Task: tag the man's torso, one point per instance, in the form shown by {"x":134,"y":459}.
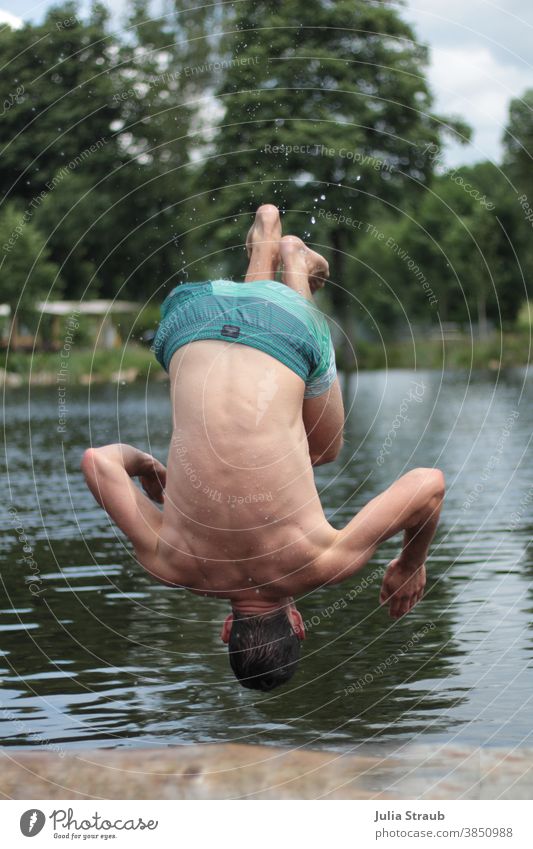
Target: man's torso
{"x":242,"y":513}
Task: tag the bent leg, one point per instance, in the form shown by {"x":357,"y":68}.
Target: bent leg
{"x":262,"y":244}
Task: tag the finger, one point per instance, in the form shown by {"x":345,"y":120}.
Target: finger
{"x":157,"y":494}
{"x":153,"y":492}
{"x":403,"y":608}
{"x":413,"y":600}
{"x":394,"y":609}
{"x":384,"y":594}
{"x":405,"y":605}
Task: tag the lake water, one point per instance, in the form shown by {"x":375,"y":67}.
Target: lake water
{"x":92,"y":652}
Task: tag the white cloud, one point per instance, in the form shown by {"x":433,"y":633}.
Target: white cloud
{"x":504,"y":27}
{"x":12,"y":20}
{"x":472,"y":83}
{"x":481,"y":57}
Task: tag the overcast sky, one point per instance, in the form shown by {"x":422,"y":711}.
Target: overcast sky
{"x":481,"y":57}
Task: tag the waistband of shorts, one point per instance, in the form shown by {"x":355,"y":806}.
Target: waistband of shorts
{"x":295,"y":347}
{"x":281,"y":348}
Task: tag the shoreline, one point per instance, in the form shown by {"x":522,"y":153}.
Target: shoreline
{"x":126,"y":365}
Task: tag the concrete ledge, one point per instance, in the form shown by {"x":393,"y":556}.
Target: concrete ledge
{"x":260,"y":772}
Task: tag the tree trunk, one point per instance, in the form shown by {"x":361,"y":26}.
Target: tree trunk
{"x":483,"y":326}
{"x":13,"y":331}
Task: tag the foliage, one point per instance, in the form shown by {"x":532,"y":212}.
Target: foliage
{"x":326,"y":108}
{"x":100,"y":365}
{"x":26,"y":272}
{"x":136,"y":159}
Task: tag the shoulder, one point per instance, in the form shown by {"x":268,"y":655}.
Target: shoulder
{"x":311,"y":561}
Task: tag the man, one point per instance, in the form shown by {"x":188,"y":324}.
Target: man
{"x":256,"y":404}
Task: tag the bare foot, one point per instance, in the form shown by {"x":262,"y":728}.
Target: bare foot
{"x":303,"y":268}
{"x":265,"y":229}
{"x":318,"y":270}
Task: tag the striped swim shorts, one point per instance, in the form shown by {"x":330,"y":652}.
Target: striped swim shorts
{"x":266,"y":315}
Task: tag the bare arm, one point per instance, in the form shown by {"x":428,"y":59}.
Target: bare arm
{"x":412,"y":504}
{"x":324,"y":422}
{"x":109,"y":471}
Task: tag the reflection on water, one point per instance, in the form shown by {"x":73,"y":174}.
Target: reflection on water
{"x":93,"y":652}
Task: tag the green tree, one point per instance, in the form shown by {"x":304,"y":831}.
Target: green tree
{"x":491,"y":262}
{"x":62,"y":71}
{"x":102,"y":163}
{"x":327,"y":107}
{"x":518,"y":143}
{"x":458,"y":246}
{"x":517,"y":164}
{"x":26,"y":272}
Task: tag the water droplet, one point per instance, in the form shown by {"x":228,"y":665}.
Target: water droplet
{"x":313,"y":219}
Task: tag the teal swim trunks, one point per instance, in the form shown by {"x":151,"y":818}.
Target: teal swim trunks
{"x":266,"y":315}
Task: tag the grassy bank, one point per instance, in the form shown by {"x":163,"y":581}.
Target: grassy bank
{"x":82,"y":366}
{"x":136,"y":362}
{"x":509,"y":349}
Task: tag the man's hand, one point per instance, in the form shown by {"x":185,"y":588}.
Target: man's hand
{"x":402,"y":587}
{"x":153,"y":477}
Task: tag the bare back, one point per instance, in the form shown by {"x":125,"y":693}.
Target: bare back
{"x":241,"y":506}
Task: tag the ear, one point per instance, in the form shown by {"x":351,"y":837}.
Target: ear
{"x":295,"y":618}
{"x":226,"y":628}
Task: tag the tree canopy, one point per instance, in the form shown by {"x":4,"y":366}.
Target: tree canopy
{"x":135,"y":159}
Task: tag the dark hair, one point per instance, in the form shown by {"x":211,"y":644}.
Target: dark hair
{"x":263,"y":650}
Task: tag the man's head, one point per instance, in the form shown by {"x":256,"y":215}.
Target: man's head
{"x":264,"y":647}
